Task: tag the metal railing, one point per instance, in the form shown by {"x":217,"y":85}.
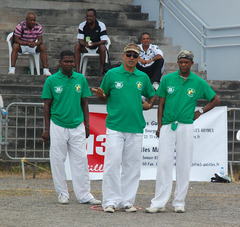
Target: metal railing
{"x":233,"y":157}
{"x":198,"y":29}
{"x":24,"y":124}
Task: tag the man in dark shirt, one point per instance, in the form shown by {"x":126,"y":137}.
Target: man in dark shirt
{"x":92,"y":36}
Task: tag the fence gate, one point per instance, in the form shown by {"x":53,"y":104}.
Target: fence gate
{"x":22,"y":126}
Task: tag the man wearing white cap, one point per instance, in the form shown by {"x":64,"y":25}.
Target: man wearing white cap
{"x":123,"y":87}
{"x":178,"y":94}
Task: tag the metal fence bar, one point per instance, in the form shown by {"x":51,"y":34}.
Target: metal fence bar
{"x":26,"y":140}
{"x":28,"y":118}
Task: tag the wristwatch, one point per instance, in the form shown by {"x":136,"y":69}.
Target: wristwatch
{"x":201,"y":111}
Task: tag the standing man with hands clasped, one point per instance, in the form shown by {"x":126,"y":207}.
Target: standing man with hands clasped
{"x":65,"y":109}
{"x":178,"y":94}
{"x":123,"y":88}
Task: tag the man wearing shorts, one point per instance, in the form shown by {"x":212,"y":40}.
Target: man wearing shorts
{"x":28,"y":38}
{"x":92,"y":36}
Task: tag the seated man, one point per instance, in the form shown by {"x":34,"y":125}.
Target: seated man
{"x":92,"y":36}
{"x":151,"y":60}
{"x":25,"y":36}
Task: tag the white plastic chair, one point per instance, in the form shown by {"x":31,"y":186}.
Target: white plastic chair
{"x":85,"y":56}
{"x":32,"y":57}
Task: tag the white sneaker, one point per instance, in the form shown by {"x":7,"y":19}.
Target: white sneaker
{"x":12,"y":70}
{"x":63,"y":199}
{"x":155,"y":210}
{"x":46,"y":72}
{"x":94,"y":201}
{"x":155,"y":85}
{"x":130,"y":209}
{"x":179,"y":209}
{"x":109,"y":209}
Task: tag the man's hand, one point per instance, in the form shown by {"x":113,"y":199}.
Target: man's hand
{"x":99,"y":92}
{"x":46,"y":136}
{"x":146,"y":105}
{"x":196,"y":115}
{"x":87,"y":131}
{"x":32,"y":44}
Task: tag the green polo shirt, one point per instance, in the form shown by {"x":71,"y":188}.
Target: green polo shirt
{"x":181,"y":96}
{"x":124,"y":106}
{"x":66,"y":94}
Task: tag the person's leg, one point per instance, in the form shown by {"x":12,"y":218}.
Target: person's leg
{"x":163,"y":187}
{"x":43,"y":55}
{"x":156,"y":69}
{"x":184,"y":154}
{"x":78,"y":50}
{"x":79,"y":164}
{"x":102,"y":52}
{"x":131,"y":168}
{"x":14,"y":55}
{"x":111,"y":185}
{"x":145,"y":70}
{"x":58,"y":154}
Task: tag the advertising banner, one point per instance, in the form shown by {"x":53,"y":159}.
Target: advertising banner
{"x":210,"y":144}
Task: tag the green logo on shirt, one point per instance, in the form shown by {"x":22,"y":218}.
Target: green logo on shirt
{"x":118,"y":85}
{"x":170,"y":90}
{"x":191,"y":92}
{"x":139,"y":85}
{"x":78,"y":88}
{"x":58,"y":89}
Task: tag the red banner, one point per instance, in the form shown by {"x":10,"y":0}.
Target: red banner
{"x":96,"y":142}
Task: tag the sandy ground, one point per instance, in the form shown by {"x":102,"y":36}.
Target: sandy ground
{"x":33,"y":202}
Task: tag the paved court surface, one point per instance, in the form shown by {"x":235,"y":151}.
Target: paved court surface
{"x":33,"y":202}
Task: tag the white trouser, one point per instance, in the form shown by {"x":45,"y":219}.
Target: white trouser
{"x":181,"y":139}
{"x":122,"y":165}
{"x":73,"y":141}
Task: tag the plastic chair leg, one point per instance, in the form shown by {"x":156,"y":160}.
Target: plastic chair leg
{"x":31,"y":64}
{"x":37,"y":65}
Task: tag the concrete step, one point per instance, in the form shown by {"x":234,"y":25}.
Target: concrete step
{"x":46,"y":5}
{"x":60,"y":16}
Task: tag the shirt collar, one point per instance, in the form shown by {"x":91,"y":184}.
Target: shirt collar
{"x":65,"y":76}
{"x":190,"y":77}
{"x":126,"y":72}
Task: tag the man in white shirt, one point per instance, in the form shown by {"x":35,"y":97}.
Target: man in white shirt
{"x":151,"y":60}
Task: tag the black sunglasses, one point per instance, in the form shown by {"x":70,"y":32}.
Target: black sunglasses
{"x":135,"y":55}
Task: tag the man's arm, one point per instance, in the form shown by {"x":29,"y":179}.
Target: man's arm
{"x":84,"y":104}
{"x":85,"y":44}
{"x":100,"y":94}
{"x":214,"y":102}
{"x":156,"y":57}
{"x":47,"y":115}
{"x":161,"y":103}
{"x":149,"y":105}
{"x":19,"y":41}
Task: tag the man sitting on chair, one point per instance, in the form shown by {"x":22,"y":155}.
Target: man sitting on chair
{"x":151,"y":60}
{"x":25,"y":36}
{"x":92,"y":36}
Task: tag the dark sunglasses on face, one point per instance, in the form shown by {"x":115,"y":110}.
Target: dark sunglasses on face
{"x":135,"y":55}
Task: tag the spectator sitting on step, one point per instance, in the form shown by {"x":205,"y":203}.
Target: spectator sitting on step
{"x":92,"y":36}
{"x":151,"y":60}
{"x":28,"y":38}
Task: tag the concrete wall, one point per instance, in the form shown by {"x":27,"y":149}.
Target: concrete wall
{"x":151,"y":7}
{"x":220,"y":63}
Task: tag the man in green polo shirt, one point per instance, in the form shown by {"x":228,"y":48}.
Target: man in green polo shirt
{"x":123,"y":88}
{"x":178,"y":92}
{"x":65,"y":108}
